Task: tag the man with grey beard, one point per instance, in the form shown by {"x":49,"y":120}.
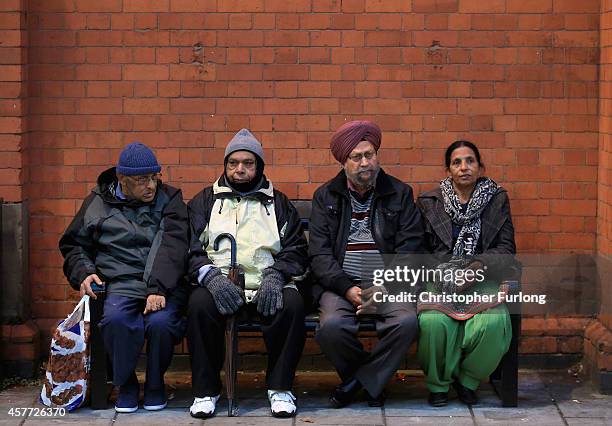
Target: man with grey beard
{"x":357,"y":217}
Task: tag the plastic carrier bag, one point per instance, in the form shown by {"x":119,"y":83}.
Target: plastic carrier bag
{"x":67,"y":375}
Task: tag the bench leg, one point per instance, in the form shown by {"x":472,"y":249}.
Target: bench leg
{"x":505,"y":377}
{"x":509,"y":382}
{"x":98,"y":365}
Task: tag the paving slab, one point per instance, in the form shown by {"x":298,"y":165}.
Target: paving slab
{"x":584,"y":407}
{"x":17,"y":397}
{"x":167,"y":417}
{"x":247,"y":407}
{"x":581,"y":421}
{"x":541,"y":411}
{"x":420,"y":408}
{"x":82,"y":415}
{"x":433,"y":421}
{"x":247,"y":421}
{"x":356,"y":414}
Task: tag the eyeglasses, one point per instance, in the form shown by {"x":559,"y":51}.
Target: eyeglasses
{"x":248,"y":164}
{"x":356,"y":158}
{"x":144,"y":179}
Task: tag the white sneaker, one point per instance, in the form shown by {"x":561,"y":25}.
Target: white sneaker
{"x":204,"y":407}
{"x":282,"y":403}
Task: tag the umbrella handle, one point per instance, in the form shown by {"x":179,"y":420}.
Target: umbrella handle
{"x":232,"y":246}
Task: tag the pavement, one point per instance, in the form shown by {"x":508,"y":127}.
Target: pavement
{"x":545,"y":398}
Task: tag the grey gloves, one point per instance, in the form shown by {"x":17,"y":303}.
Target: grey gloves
{"x":225,"y":293}
{"x":227,"y":297}
{"x":269,"y":297}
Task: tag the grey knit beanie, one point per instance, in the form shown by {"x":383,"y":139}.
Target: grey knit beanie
{"x":244,"y":141}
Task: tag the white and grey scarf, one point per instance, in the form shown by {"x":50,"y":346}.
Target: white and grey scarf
{"x":470,"y":223}
{"x":464,"y":248}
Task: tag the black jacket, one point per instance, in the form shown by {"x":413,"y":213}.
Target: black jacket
{"x":496,"y":236}
{"x":136,"y":248}
{"x":291,"y":260}
{"x":396,"y":227}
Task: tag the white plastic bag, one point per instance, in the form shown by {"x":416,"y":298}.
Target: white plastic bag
{"x":67,"y":375}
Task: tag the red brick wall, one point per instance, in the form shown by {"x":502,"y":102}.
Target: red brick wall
{"x":13,"y":92}
{"x":604,"y":205}
{"x":517,"y":77}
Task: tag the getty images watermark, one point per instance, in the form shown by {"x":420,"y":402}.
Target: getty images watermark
{"x":456,"y":281}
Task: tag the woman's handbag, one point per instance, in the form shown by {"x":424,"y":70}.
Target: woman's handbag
{"x":67,"y":375}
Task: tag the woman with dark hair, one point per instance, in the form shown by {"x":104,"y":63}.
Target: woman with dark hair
{"x":469,"y":233}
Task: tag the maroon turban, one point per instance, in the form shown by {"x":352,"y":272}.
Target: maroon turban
{"x":348,"y":136}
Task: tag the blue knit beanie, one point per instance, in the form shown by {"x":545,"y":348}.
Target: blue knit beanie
{"x":137,"y":159}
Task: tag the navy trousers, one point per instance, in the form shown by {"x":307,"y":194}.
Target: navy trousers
{"x":124,"y":329}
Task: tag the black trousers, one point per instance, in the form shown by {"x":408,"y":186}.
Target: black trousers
{"x":396,"y":328}
{"x":284,"y":335}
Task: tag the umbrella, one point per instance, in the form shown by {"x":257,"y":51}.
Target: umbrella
{"x":236,"y":275}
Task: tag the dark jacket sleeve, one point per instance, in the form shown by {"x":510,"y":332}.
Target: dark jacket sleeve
{"x":292,"y":259}
{"x":199,"y":214}
{"x":434,"y":249}
{"x":409,"y":241}
{"x":325,"y":267}
{"x":170,"y":260}
{"x":409,"y":237}
{"x":502,"y":249}
{"x":78,"y":248}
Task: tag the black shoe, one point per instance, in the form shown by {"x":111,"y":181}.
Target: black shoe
{"x":378,"y":401}
{"x":438,"y":399}
{"x":345,"y":393}
{"x":467,"y":396}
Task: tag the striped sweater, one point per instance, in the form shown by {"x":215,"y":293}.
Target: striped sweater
{"x":362,"y":256}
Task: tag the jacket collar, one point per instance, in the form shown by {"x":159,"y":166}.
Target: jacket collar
{"x":107,"y":185}
{"x":440,"y":221}
{"x":264,"y":194}
{"x":382,"y":187}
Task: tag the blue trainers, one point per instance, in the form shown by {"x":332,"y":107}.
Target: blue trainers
{"x":127,"y":400}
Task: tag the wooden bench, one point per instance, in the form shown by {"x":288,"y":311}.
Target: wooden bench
{"x":504,"y":379}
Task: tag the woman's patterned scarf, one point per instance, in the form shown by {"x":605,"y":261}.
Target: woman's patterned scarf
{"x":464,"y":249}
{"x":470,"y":223}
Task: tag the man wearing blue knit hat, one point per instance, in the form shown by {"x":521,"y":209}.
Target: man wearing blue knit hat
{"x":131,"y":235}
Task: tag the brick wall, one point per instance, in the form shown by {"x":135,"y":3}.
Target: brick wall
{"x":604,"y":205}
{"x":517,"y":77}
{"x":13,"y":92}
{"x":598,"y":336}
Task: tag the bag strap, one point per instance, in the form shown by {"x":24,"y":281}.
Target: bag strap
{"x":83,"y":303}
{"x":87,"y":315}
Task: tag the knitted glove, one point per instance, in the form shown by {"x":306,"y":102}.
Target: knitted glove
{"x":269,"y":297}
{"x":225,"y":293}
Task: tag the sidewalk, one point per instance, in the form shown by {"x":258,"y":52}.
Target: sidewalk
{"x":545,"y":398}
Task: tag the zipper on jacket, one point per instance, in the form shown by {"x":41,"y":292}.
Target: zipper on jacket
{"x":266,"y":207}
{"x":237,"y":208}
{"x":221,"y":206}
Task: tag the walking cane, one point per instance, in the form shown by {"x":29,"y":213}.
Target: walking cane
{"x":235,"y":275}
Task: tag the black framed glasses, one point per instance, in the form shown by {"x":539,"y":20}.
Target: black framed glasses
{"x":356,"y":158}
{"x":144,"y":179}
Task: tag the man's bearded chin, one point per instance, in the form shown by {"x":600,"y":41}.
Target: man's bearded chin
{"x":366,"y":182}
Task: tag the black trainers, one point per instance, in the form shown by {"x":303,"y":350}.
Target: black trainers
{"x":438,"y":399}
